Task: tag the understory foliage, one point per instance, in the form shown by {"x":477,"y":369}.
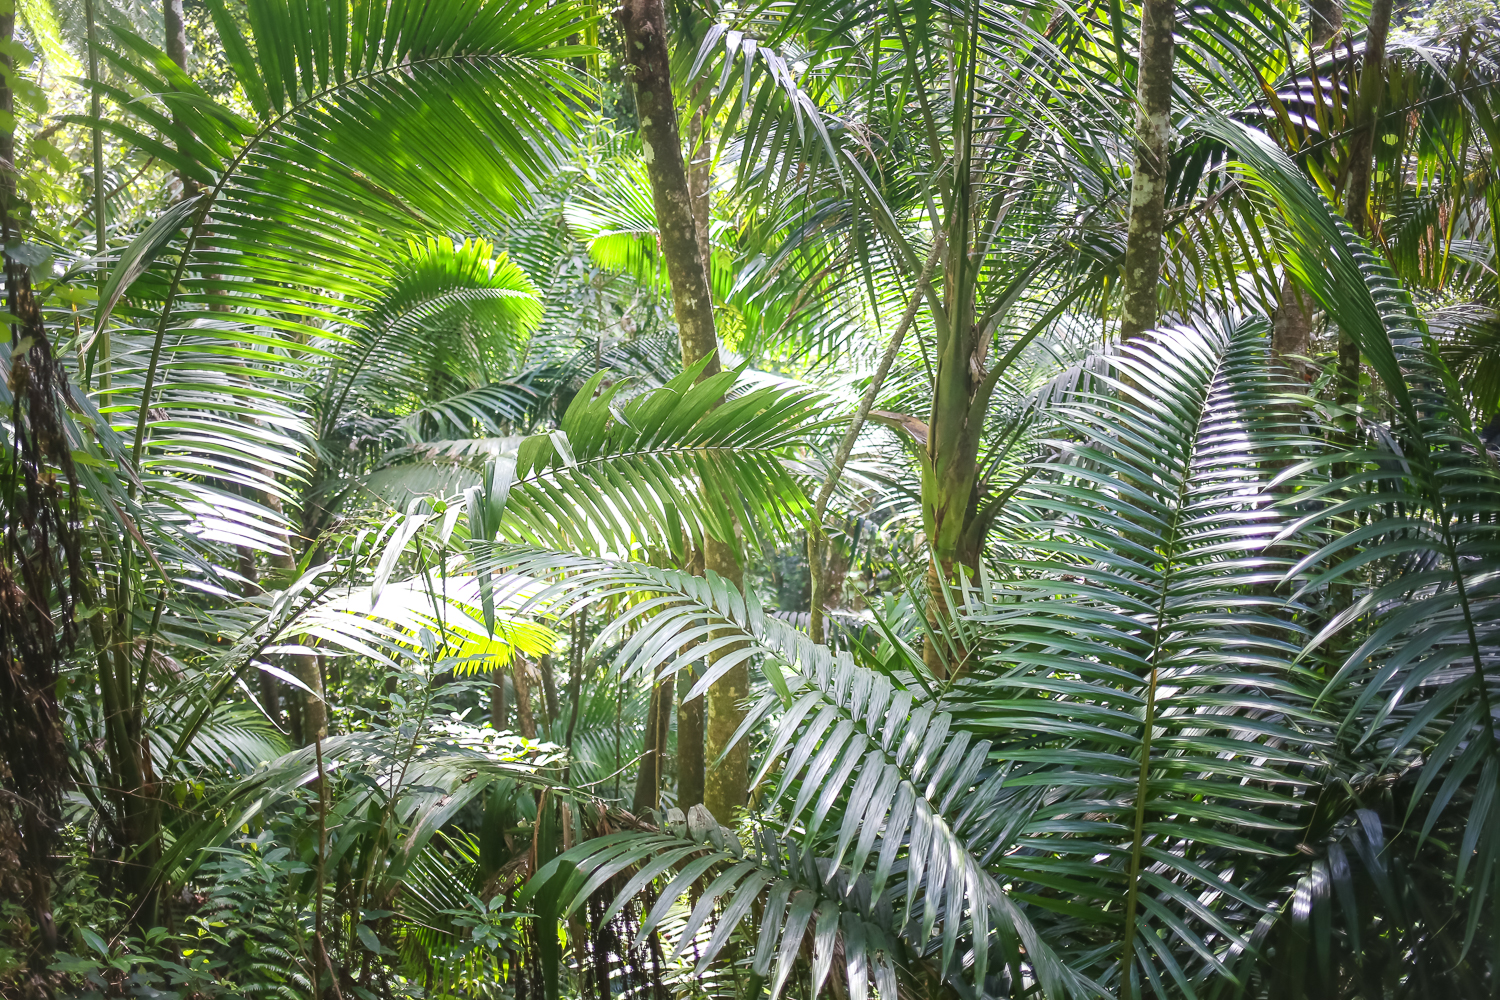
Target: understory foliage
{"x":356,"y":639}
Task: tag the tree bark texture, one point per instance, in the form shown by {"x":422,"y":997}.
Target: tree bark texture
{"x":175,"y":31}
{"x":521,"y":676}
{"x":549,"y":687}
{"x":1148,"y":178}
{"x":648,"y":57}
{"x":690,"y":718}
{"x":726,"y":781}
{"x":700,"y":181}
{"x":1325,"y":18}
{"x":653,"y":761}
{"x":1291,"y":329}
{"x":176,"y":47}
{"x":313,"y":707}
{"x":40,"y":566}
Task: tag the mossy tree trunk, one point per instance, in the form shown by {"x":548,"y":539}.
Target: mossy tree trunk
{"x":648,"y":57}
{"x":1148,"y":178}
{"x":42,"y":573}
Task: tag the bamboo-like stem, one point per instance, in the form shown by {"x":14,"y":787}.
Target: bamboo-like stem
{"x":103,"y":350}
{"x":322,"y":958}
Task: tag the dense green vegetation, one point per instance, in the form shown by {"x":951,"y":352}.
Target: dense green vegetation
{"x":974,"y":498}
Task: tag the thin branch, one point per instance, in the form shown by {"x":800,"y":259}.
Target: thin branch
{"x":816,"y":540}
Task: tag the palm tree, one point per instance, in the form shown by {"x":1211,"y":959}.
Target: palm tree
{"x":1180,"y":687}
{"x":303,"y":222}
{"x":1142,"y":717}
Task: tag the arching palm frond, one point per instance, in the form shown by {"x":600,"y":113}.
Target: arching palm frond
{"x":402,"y":788}
{"x":1139,"y":667}
{"x":1137,"y":698}
{"x":658,"y":471}
{"x":896,"y":811}
{"x":304,"y":211}
{"x":1413,"y":531}
{"x":452,"y":316}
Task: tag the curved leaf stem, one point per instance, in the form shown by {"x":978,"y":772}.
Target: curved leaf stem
{"x":817,"y":540}
{"x":1169,"y":540}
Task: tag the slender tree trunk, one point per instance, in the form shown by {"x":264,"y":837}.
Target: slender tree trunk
{"x":1357,"y":207}
{"x":700,"y":180}
{"x":549,"y":687}
{"x":575,"y":685}
{"x":1325,"y":18}
{"x":520,"y":675}
{"x":691,"y":716}
{"x":313,"y":708}
{"x":648,"y":56}
{"x":176,"y":47}
{"x":499,"y":710}
{"x":950,"y":472}
{"x":690,"y":765}
{"x":653,"y":759}
{"x":1291,"y":328}
{"x":1292,"y":323}
{"x":726,"y":780}
{"x":176,"y":33}
{"x":1148,"y":178}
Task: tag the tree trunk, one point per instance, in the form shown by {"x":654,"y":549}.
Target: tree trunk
{"x":1291,"y":329}
{"x":726,"y":780}
{"x":175,"y":31}
{"x":520,"y":676}
{"x":33,"y":575}
{"x":499,"y":710}
{"x":653,"y":759}
{"x":575,"y":685}
{"x":1148,"y":178}
{"x":549,"y":687}
{"x":309,"y":670}
{"x":691,"y":717}
{"x":1325,"y":18}
{"x":1357,"y":209}
{"x":1293,"y":321}
{"x":649,"y":60}
{"x":690,"y":765}
{"x":700,"y":181}
{"x":40,"y":567}
{"x":176,"y":48}
{"x":955,"y":429}
{"x":648,"y":57}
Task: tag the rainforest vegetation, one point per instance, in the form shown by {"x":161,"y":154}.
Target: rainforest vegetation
{"x":901,"y":499}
